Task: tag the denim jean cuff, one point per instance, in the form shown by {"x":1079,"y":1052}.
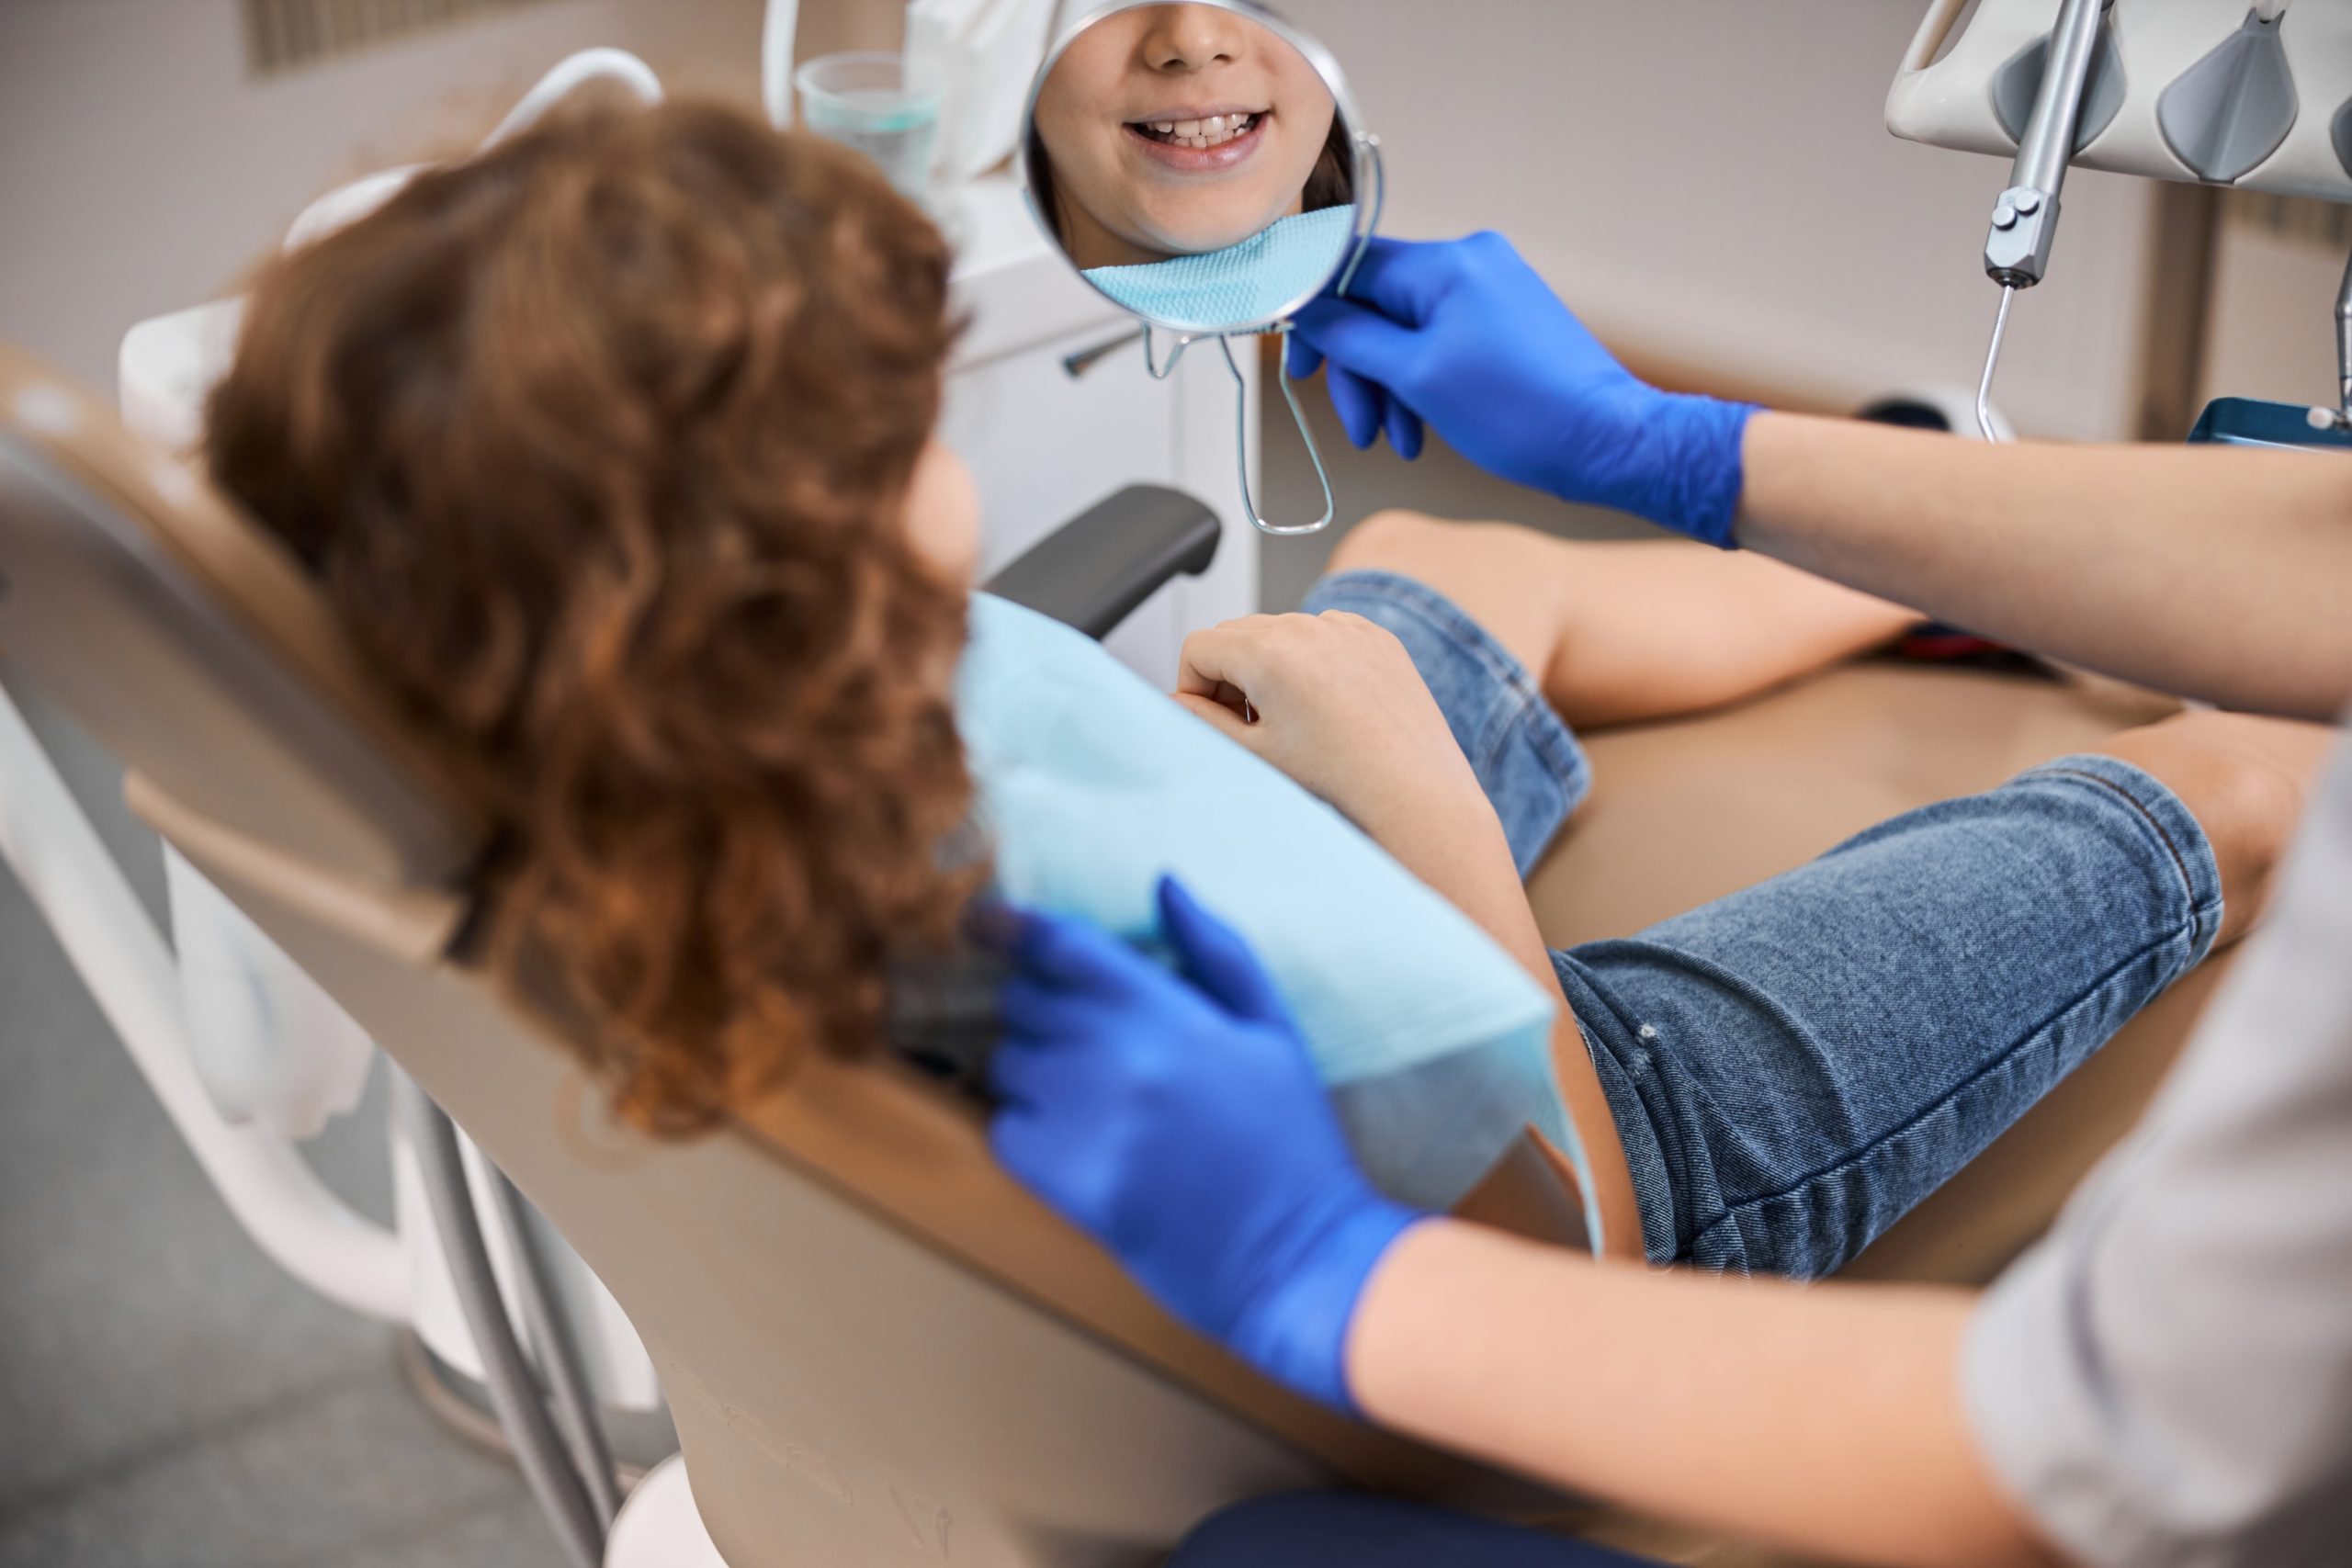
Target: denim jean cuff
{"x":2172,"y":829}
{"x":1526,"y":758}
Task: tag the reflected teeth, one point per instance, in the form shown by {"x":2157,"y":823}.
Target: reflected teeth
{"x":1214,"y":131}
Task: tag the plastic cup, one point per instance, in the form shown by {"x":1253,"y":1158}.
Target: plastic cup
{"x":863,"y":100}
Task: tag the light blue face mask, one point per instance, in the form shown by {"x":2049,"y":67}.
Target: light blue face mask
{"x":1241,"y":285}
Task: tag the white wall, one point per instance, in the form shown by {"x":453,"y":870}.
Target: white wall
{"x":1708,"y":180}
{"x":1712,"y":182}
{"x":2272,"y":332}
{"x":141,"y":171}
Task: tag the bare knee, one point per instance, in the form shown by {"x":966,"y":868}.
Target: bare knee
{"x":1396,"y":540}
{"x":1513,"y":581}
{"x":2245,"y":780}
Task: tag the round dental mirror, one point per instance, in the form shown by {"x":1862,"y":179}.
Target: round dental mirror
{"x":1199,"y":163}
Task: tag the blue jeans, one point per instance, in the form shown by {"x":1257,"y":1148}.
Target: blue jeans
{"x":1301,"y":1528}
{"x":1792,"y":1069}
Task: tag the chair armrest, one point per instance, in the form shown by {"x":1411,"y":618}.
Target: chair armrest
{"x":1094,"y":569}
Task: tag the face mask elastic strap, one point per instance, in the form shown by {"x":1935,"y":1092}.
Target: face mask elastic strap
{"x":1298,"y":415}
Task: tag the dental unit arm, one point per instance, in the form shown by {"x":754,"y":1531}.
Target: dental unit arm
{"x":2344,"y":345}
{"x":2025,"y":221}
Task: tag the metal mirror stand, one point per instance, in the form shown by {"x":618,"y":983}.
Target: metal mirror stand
{"x":1369,"y":165}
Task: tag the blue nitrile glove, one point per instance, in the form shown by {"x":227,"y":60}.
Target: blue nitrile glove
{"x":1464,"y":335}
{"x":1178,"y":1119}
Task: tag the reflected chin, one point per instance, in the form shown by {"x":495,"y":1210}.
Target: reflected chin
{"x":1195,"y":226}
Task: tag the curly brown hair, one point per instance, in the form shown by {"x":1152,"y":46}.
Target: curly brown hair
{"x":600,"y":443}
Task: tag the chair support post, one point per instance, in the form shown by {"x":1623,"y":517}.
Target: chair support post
{"x":113,"y":945}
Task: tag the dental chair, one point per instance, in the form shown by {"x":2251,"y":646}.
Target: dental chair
{"x":876,"y":1349}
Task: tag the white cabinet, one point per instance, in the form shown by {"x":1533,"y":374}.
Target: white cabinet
{"x":1045,"y":444}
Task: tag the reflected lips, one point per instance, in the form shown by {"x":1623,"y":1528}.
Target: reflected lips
{"x":1165,"y":148}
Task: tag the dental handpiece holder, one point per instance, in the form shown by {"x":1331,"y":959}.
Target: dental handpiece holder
{"x":2025,"y":219}
{"x":2246,"y":94}
{"x":1202,"y":167}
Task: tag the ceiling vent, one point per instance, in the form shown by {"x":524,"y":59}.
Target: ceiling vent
{"x":283,"y":36}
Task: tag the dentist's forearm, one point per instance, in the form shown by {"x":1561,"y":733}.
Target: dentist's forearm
{"x":2214,"y":573}
{"x":1824,"y":1420}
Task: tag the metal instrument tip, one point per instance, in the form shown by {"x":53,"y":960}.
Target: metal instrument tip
{"x":1992,"y":366}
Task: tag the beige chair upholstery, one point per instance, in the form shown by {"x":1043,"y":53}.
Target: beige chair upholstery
{"x":877,"y":1350}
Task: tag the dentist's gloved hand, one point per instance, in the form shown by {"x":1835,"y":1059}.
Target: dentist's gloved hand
{"x":1464,"y":335}
{"x":1178,"y":1119}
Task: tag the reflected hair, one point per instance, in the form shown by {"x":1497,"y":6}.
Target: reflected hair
{"x":599,"y":444}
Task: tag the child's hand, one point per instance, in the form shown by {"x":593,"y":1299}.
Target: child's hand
{"x":1335,"y":702}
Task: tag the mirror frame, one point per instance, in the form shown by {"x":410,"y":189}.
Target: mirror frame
{"x":1369,"y":177}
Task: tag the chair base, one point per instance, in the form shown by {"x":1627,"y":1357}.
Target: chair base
{"x":659,"y":1525}
{"x":640,"y":1441}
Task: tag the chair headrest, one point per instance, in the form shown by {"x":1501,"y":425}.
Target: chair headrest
{"x":198,"y":651}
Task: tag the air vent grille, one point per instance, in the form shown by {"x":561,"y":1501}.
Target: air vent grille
{"x":282,"y":36}
{"x":2327,"y":223}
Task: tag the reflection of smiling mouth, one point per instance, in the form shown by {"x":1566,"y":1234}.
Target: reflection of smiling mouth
{"x":1213,"y":130}
{"x":1204,"y":145}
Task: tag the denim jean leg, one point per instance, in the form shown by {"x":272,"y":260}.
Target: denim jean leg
{"x":1794,"y":1068}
